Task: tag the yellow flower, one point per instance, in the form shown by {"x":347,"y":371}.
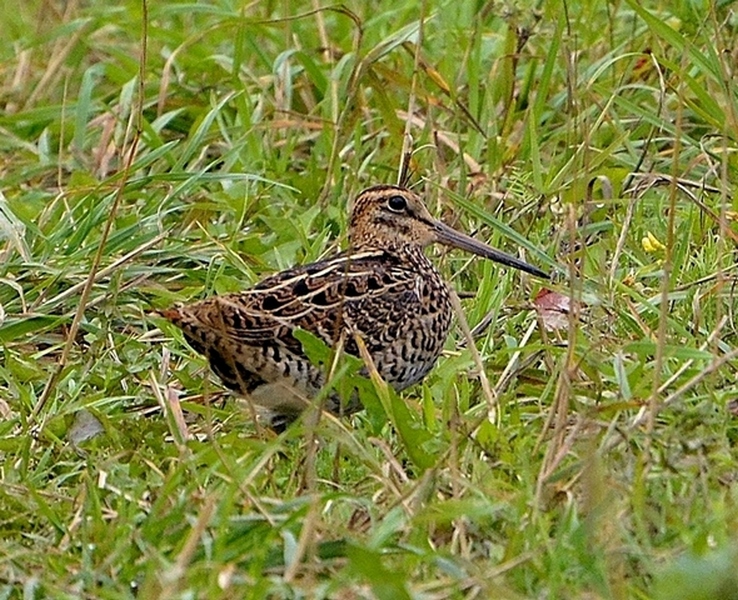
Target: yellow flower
{"x":651,"y":243}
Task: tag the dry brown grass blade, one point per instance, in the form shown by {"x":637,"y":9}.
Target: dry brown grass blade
{"x":170,"y":580}
{"x":102,"y":273}
{"x":508,"y":374}
{"x":407,"y":138}
{"x":685,"y":186}
{"x":443,"y":137}
{"x":307,"y":541}
{"x":136,"y":117}
{"x":54,"y":70}
{"x":489,"y":394}
{"x":694,"y":381}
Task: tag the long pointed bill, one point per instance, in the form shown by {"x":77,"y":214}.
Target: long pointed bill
{"x":451,"y":237}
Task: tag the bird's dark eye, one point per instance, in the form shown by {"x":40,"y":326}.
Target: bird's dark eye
{"x":397,"y":203}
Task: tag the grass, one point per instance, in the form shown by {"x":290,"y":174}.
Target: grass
{"x":225,"y":148}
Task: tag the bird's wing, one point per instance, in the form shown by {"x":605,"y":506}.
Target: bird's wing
{"x":324,"y":298}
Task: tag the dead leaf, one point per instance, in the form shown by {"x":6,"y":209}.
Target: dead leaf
{"x":553,"y":308}
{"x":85,"y":427}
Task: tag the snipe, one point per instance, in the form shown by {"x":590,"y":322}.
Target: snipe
{"x":383,"y":288}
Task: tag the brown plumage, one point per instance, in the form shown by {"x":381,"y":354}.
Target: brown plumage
{"x":383,"y":289}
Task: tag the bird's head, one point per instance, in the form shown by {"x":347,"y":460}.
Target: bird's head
{"x":390,"y":217}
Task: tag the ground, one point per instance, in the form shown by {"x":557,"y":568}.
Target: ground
{"x":152,"y":153}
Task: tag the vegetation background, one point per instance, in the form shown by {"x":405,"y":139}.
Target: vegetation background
{"x":165,"y":151}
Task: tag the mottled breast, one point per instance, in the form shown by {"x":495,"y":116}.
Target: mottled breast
{"x":406,"y":326}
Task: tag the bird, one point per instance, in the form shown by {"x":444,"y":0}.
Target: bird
{"x":383,"y":289}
